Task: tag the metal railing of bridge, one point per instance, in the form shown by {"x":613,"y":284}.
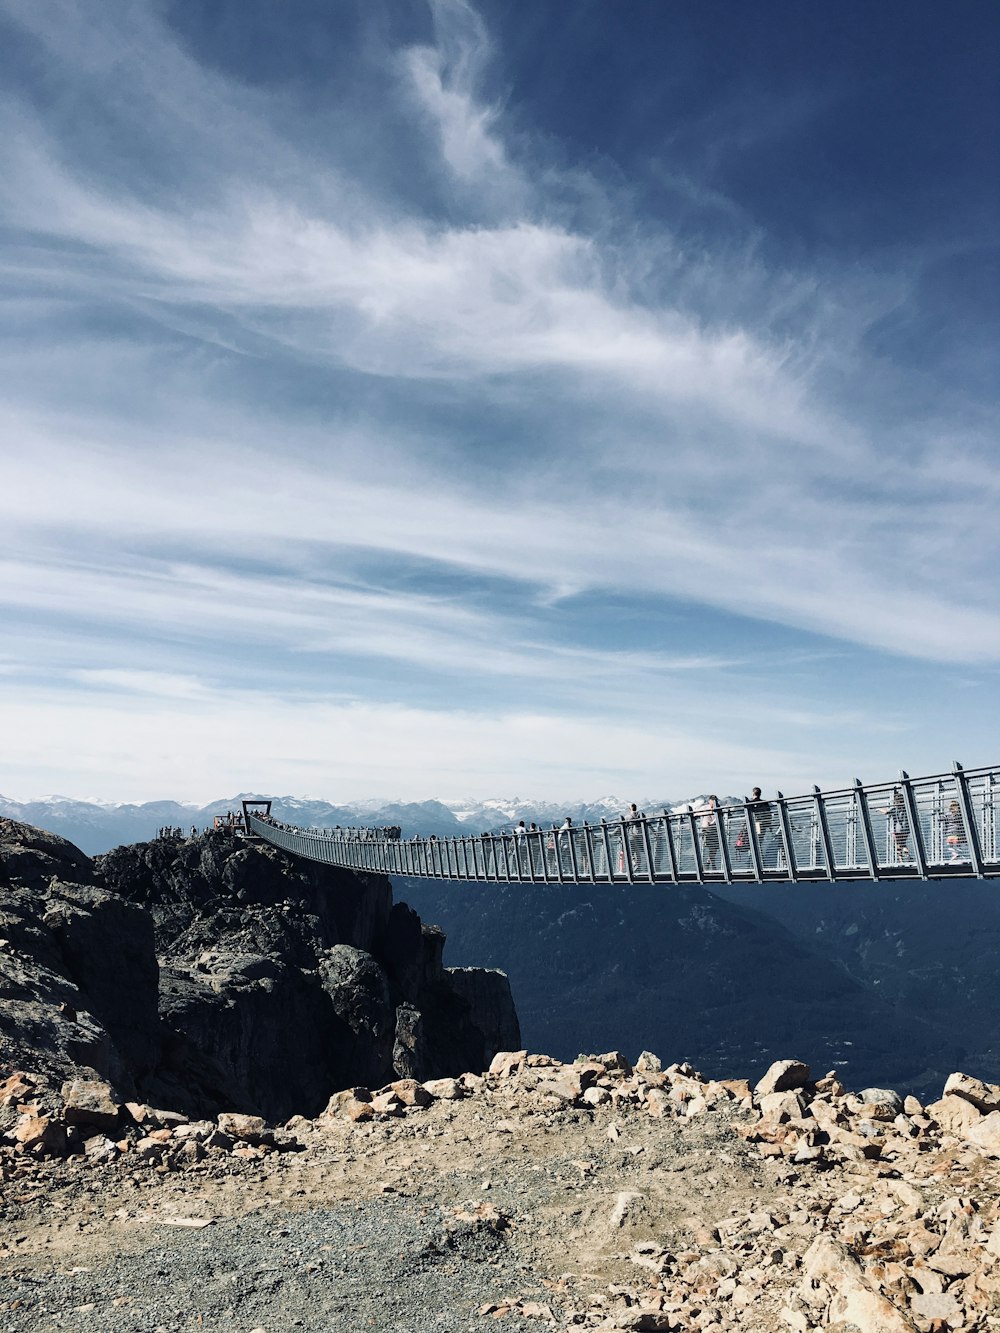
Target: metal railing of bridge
{"x":914,"y":828}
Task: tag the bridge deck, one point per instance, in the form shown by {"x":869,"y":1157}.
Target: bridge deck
{"x":915,"y":828}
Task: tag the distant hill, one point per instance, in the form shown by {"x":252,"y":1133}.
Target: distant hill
{"x":720,"y":983}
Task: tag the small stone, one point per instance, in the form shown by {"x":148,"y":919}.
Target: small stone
{"x":251,"y":1128}
{"x":739,"y":1088}
{"x":386,"y":1103}
{"x":935,"y":1305}
{"x":446,"y":1089}
{"x":880,"y":1103}
{"x":336,"y":1104}
{"x":781,"y":1106}
{"x":614,"y":1060}
{"x":15,"y":1089}
{"x":356,"y":1110}
{"x":658,"y":1103}
{"x":99,"y":1148}
{"x":410,"y":1092}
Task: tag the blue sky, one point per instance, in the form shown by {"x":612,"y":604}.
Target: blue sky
{"x":448,"y":399}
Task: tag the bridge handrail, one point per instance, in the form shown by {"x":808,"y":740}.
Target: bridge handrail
{"x":933,"y":827}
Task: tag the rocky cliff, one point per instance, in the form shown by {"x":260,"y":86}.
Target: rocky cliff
{"x":211,"y":974}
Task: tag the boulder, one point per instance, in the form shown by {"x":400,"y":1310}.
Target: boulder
{"x":506,"y":1063}
{"x":90,"y":1102}
{"x":445,"y":1089}
{"x":984,"y":1097}
{"x":783,"y":1076}
{"x":853,"y":1300}
{"x":954,"y":1114}
{"x":880,"y":1103}
{"x":985,"y":1134}
{"x":40,"y":1134}
{"x":250,"y":1128}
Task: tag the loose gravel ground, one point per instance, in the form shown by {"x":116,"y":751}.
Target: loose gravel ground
{"x":383,"y":1264}
{"x":516,"y":1207}
{"x":413,"y":1224}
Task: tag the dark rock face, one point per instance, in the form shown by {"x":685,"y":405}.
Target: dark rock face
{"x":67,"y":946}
{"x":213,"y":974}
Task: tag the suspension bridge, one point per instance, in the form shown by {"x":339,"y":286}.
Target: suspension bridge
{"x":929,"y":828}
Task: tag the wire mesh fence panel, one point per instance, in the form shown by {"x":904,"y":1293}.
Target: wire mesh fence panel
{"x":659,"y":847}
{"x":685,"y":833}
{"x":635,"y":844}
{"x":891,"y":825}
{"x":616,"y":852}
{"x":580,"y":854}
{"x":845,"y":829}
{"x":984,"y":797}
{"x":938,"y":808}
{"x":599,"y":851}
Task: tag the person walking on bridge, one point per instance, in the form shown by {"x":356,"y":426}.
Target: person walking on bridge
{"x":521,"y":843}
{"x":634,"y":836}
{"x":762,"y":816}
{"x":899,"y":825}
{"x":954,"y":830}
{"x":565,"y":851}
{"x":710,"y":833}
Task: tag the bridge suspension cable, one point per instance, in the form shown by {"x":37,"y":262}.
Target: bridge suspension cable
{"x":914,"y":828}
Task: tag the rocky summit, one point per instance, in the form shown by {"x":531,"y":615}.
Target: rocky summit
{"x":164,"y":1006}
{"x":211,"y":974}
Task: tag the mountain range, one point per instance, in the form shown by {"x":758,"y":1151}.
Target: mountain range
{"x":97,"y":826}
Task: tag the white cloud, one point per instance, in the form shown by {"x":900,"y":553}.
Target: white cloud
{"x":212,"y":744}
{"x":508,"y":403}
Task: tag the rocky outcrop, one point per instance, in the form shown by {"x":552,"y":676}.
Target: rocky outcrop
{"x":78,"y":970}
{"x":212,"y":974}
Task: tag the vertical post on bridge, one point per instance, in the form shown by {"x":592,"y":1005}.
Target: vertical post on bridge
{"x":607,"y":850}
{"x":722,"y":825}
{"x":824,"y":833}
{"x":668,"y":834}
{"x":971,"y":828}
{"x":753,"y":842}
{"x":574,"y":864}
{"x":626,"y":853}
{"x":867,"y":832}
{"x":588,"y":843}
{"x":696,"y":844}
{"x":786,"y":837}
{"x":916,"y":832}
